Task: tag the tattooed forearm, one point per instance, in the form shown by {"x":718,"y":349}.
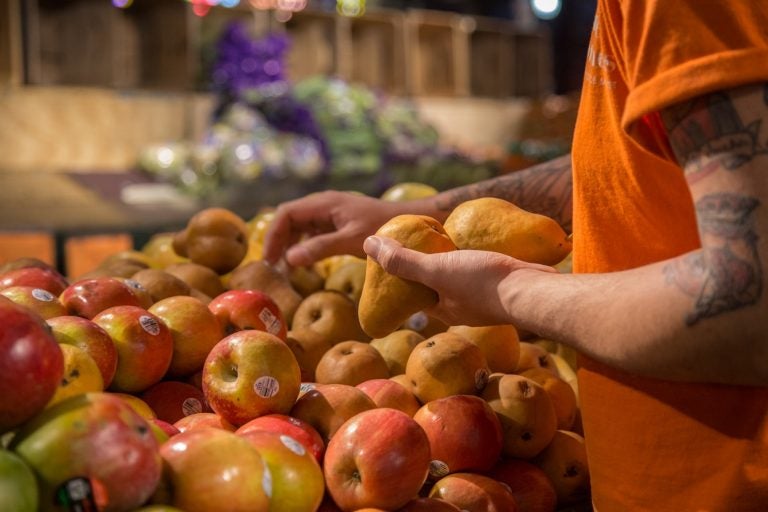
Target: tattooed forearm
{"x":709,"y":133}
{"x":545,"y":188}
{"x":726,"y":274}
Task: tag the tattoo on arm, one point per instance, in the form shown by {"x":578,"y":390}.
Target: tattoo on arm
{"x":726,"y":274}
{"x":545,"y":188}
{"x":709,"y":132}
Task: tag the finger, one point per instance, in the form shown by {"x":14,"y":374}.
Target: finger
{"x":396,"y":259}
{"x":322,"y":246}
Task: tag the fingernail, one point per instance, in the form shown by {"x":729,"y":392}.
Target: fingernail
{"x":372,"y":245}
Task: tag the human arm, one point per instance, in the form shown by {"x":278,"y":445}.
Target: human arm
{"x":326,"y":223}
{"x":699,"y":317}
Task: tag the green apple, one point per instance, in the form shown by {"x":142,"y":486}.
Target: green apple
{"x":18,"y":487}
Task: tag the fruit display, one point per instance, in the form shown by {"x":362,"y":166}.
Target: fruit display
{"x":194,"y":377}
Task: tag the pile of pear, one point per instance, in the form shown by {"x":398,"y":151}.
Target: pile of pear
{"x":351,"y":322}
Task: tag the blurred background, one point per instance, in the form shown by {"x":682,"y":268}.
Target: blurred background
{"x":120,"y":118}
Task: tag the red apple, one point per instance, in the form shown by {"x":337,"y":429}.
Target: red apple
{"x":388,"y":393}
{"x":532,"y":489}
{"x":141,"y":293}
{"x":89,"y":297}
{"x":172,"y":400}
{"x":144,"y":347}
{"x":36,"y":277}
{"x":429,"y":505}
{"x":328,"y":406}
{"x":31,"y":364}
{"x":379,"y":458}
{"x":195,"y":330}
{"x":90,"y":337}
{"x":249,"y":309}
{"x":166,"y":427}
{"x":212,"y":470}
{"x":203,"y":420}
{"x":297,"y":480}
{"x":474,"y":493}
{"x":248,"y":374}
{"x":42,"y":302}
{"x":464,"y":434}
{"x":299,"y":430}
{"x":96,"y":443}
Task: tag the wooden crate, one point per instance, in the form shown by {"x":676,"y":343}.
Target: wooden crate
{"x":11,"y":47}
{"x":372,"y":51}
{"x":90,"y":42}
{"x":532,"y":71}
{"x":491,"y":58}
{"x":27,"y":244}
{"x":437,"y":53}
{"x":314,"y":48}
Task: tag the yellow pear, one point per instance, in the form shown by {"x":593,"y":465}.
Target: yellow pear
{"x":499,"y":343}
{"x":493,"y":224}
{"x":386,"y":300}
{"x":396,"y":347}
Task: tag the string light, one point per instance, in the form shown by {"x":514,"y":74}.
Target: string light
{"x":546,"y":9}
{"x":122,"y":4}
{"x":351,"y":8}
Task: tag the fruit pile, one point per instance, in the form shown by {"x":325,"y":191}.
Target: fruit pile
{"x":190,"y":375}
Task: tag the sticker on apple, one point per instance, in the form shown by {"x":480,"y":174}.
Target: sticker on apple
{"x":417,"y":321}
{"x":271,"y":322}
{"x":150,"y":325}
{"x":293,"y":445}
{"x":42,"y":295}
{"x":304,"y":387}
{"x":266,"y":387}
{"x":438,"y":469}
{"x":191,"y":405}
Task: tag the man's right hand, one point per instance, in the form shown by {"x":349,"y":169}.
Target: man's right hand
{"x":324,"y":224}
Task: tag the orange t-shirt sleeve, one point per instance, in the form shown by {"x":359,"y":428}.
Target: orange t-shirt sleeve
{"x":676,"y":50}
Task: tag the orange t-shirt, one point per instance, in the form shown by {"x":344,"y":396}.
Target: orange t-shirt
{"x":656,"y":445}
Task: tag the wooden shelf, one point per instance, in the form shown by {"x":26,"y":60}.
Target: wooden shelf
{"x":162,"y":45}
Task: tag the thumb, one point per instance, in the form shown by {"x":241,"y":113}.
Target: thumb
{"x":396,"y":259}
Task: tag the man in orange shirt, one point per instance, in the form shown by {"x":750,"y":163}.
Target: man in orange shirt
{"x":667,"y":187}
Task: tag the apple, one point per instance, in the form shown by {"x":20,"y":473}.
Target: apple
{"x":81,"y":375}
{"x":90,"y":337}
{"x":31,"y":364}
{"x":464,"y":434}
{"x":138,"y":289}
{"x":166,"y":427}
{"x":42,"y":302}
{"x":470,"y":491}
{"x":328,"y":406}
{"x":429,"y":505}
{"x":203,"y":420}
{"x":378,"y":458}
{"x":173,"y":400}
{"x":299,"y":430}
{"x":138,"y":405}
{"x":144,"y":346}
{"x":36,"y":277}
{"x":195,"y":330}
{"x":93,"y":443}
{"x":89,"y":297}
{"x":250,"y":373}
{"x":248,"y":309}
{"x":389,"y":393}
{"x":213,"y":470}
{"x":297,"y":480}
{"x":532,"y":489}
{"x":18,"y":487}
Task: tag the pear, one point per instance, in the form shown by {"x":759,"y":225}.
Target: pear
{"x":493,"y":224}
{"x":259,"y":275}
{"x":214,"y":237}
{"x":387,"y":301}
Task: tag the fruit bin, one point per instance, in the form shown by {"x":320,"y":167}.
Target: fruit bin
{"x":260,"y":357}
